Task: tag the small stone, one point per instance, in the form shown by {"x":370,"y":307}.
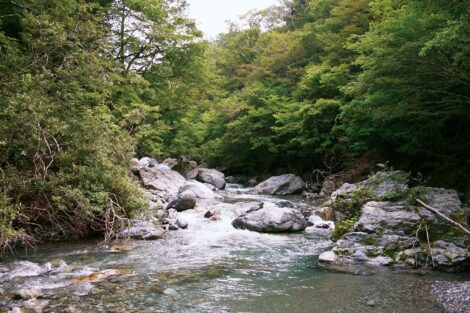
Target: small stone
{"x":370,"y":303}
{"x":209,"y":214}
{"x":170,"y":291}
{"x":173,"y":227}
{"x":27,"y":293}
{"x":181,"y":223}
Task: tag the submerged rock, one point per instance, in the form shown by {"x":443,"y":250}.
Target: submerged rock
{"x":270,"y":218}
{"x":281,"y":185}
{"x":211,"y":176}
{"x":121,"y":248}
{"x":24,"y":269}
{"x":209,"y":214}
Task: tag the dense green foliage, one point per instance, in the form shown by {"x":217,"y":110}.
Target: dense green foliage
{"x":75,"y":106}
{"x":334,"y":79}
{"x":86,"y":85}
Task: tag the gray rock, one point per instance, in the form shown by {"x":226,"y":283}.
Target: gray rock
{"x":380,"y":185}
{"x":199,"y":189}
{"x":147,"y":162}
{"x":380,"y":261}
{"x":181,"y":223}
{"x":328,"y":257}
{"x":170,"y":162}
{"x":187,"y":168}
{"x":271,"y":218}
{"x":24,"y":269}
{"x":281,"y":185}
{"x":161,"y":180}
{"x":184,"y":201}
{"x":388,"y":217}
{"x":447,"y":202}
{"x":318,"y":222}
{"x":142,"y":230}
{"x":447,"y":254}
{"x":211,"y":176}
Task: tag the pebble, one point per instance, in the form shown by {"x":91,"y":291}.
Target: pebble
{"x":453,"y":296}
{"x":370,"y":303}
{"x":170,"y":291}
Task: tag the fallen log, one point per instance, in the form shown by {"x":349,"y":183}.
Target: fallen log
{"x":449,"y":220}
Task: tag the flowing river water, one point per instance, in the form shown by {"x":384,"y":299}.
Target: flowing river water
{"x":212,"y":267}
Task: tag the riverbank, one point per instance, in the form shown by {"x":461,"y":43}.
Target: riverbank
{"x":200,"y":248}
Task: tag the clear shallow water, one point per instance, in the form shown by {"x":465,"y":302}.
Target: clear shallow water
{"x":212,"y":267}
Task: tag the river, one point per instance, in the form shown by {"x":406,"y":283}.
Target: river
{"x":212,"y":267}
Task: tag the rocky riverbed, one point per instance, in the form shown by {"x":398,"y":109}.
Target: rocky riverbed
{"x":203,"y":248}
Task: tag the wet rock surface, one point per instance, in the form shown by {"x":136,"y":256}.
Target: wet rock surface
{"x":142,"y":230}
{"x":271,"y":218}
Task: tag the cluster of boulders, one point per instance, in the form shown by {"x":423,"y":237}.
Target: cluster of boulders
{"x":177,"y":185}
{"x":379,"y":222}
{"x":376,"y":221}
{"x":173,"y":186}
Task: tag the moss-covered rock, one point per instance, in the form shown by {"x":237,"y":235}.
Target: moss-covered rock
{"x":380,"y":222}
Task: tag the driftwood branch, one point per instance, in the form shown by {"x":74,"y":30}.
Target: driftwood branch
{"x":449,"y":220}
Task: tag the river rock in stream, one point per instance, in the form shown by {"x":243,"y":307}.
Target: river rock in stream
{"x":211,"y":176}
{"x":142,"y":230}
{"x":186,"y":167}
{"x":160,"y":180}
{"x":185,"y":200}
{"x":282,"y":185}
{"x":270,"y":218}
{"x":199,"y":189}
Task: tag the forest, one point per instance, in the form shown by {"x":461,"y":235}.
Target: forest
{"x":85,"y":85}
